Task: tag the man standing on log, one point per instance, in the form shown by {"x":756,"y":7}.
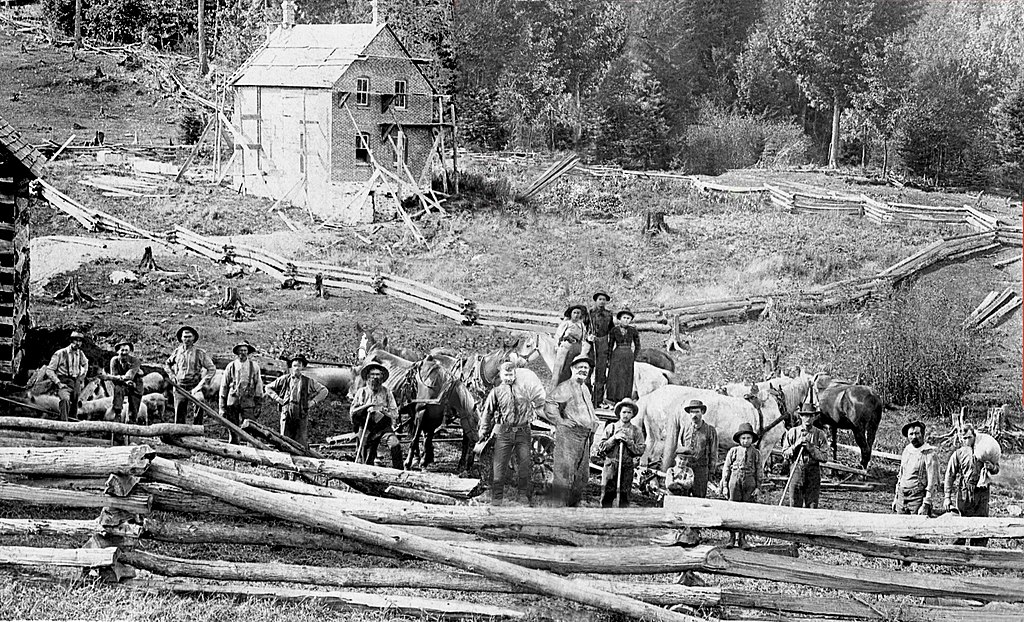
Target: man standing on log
{"x":571,"y":408}
{"x":67,"y":370}
{"x":296,"y":394}
{"x":917,"y":483}
{"x":191,"y":368}
{"x":698,"y":448}
{"x":241,"y":391}
{"x":806,"y":447}
{"x":126,"y":375}
{"x":374,"y":414}
{"x":507,"y":413}
{"x":968,"y":476}
{"x":600,"y":326}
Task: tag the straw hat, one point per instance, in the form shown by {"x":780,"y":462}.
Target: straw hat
{"x":626,"y":403}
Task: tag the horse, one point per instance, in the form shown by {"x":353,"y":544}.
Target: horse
{"x":658,"y":358}
{"x":849,"y":406}
{"x":368,"y":341}
{"x":789,"y":392}
{"x":661,"y":417}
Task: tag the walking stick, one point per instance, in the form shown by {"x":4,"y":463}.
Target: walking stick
{"x":792,"y":472}
{"x":618,"y":483}
{"x":360,"y":459}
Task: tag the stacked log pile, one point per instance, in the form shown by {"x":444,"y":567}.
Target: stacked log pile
{"x":283,"y":513}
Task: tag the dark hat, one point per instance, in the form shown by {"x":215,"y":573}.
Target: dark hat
{"x":76,"y":335}
{"x":365,"y":371}
{"x":601,"y":292}
{"x":568,"y":312}
{"x":298,"y":357}
{"x":626,"y":402}
{"x":582,"y":359}
{"x":745,"y":428}
{"x":695,"y":405}
{"x":241,"y":343}
{"x":195,"y":332}
{"x":124,"y":342}
{"x":808,"y":409}
{"x":913,"y":424}
{"x":625,"y":311}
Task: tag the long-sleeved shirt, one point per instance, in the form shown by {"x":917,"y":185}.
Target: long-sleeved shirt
{"x":382,"y":399}
{"x":699,"y":445}
{"x":815,"y":443}
{"x":129,"y":370}
{"x":296,"y":394}
{"x":744,"y":462}
{"x":242,"y":384}
{"x":68,"y":362}
{"x":573,"y":332}
{"x":510,"y":405}
{"x":624,"y":337}
{"x":191,"y":364}
{"x":964,"y":472}
{"x":633,"y":447}
{"x":570,"y":404}
{"x":919,"y":473}
{"x":601,"y":322}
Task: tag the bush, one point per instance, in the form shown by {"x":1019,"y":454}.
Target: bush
{"x":724,"y":140}
{"x":191,"y":126}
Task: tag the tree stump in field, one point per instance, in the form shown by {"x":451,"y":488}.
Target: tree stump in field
{"x":231,"y":304}
{"x":148,"y":263}
{"x":73,"y":292}
{"x":321,"y":291}
{"x":654,"y":223}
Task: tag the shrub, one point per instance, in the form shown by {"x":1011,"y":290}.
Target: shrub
{"x":191,"y":126}
{"x":724,"y":140}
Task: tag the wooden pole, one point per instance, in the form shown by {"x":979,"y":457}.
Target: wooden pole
{"x":455,"y":152}
{"x":278,"y":484}
{"x":239,"y":432}
{"x":197,"y":146}
{"x":31,"y":527}
{"x":78,"y":24}
{"x":201,"y":34}
{"x":792,"y":472}
{"x":135,"y":503}
{"x":75,"y":461}
{"x":411,"y":494}
{"x":303,"y":512}
{"x":618,"y":482}
{"x":75,"y":558}
{"x":101,"y":427}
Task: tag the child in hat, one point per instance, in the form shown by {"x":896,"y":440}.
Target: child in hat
{"x":741,"y":475}
{"x":622,"y":441}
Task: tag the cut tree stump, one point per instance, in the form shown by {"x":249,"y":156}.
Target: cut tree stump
{"x":231,"y":305}
{"x":321,"y":292}
{"x":654,"y":223}
{"x":73,"y":292}
{"x":148,"y":263}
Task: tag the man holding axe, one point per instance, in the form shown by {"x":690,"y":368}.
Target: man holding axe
{"x":373,"y":414}
{"x":622,"y":444}
{"x":806,"y":447}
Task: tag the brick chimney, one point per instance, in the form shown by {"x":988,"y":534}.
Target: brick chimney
{"x":374,"y":12}
{"x":287,"y":13}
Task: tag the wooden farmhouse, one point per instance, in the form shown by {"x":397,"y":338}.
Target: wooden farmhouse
{"x":19,"y":164}
{"x":333,"y":118}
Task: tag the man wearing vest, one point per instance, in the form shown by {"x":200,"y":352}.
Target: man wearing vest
{"x":295,"y":394}
{"x":570,"y":407}
{"x":241,"y":391}
{"x":67,"y":370}
{"x":806,"y":447}
{"x":192,"y":369}
{"x":126,"y":376}
{"x":698,"y":448}
{"x":374,"y":413}
{"x":600,"y":326}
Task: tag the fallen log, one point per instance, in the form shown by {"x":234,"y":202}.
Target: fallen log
{"x":135,"y":503}
{"x":168,"y":498}
{"x":346,"y":601}
{"x":872,"y":580}
{"x":74,"y":558}
{"x":875,"y":453}
{"x":101,"y":427}
{"x":422,"y":496}
{"x":278,"y":441}
{"x":50,"y":440}
{"x":303,"y":510}
{"x":277,"y":484}
{"x":432,"y":482}
{"x":28,"y":527}
{"x":76,"y":461}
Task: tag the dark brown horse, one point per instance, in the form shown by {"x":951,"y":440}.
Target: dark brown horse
{"x":658,"y":358}
{"x":429,"y":392}
{"x":849,"y":406}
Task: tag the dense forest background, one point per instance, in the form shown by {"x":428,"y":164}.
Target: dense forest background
{"x":931,"y":88}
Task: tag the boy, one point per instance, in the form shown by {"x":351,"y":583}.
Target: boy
{"x":741,"y":475}
{"x":622,"y":441}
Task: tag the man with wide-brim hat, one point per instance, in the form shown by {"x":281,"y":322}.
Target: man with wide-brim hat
{"x":917,"y":481}
{"x":697,"y":447}
{"x":601,"y":325}
{"x":67,"y":369}
{"x":621,"y":445}
{"x":295,"y":394}
{"x":571,"y":336}
{"x":623,"y":348}
{"x":191,"y":368}
{"x":241,"y":390}
{"x":374,"y":416}
{"x":126,"y":375}
{"x":570,"y":407}
{"x":806,"y":447}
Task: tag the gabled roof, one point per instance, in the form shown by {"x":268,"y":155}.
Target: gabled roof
{"x":306,"y":55}
{"x":26,"y":154}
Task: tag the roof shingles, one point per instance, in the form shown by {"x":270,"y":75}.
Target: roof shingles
{"x":12,"y":141}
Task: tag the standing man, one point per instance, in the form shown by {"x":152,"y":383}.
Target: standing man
{"x":600,"y":326}
{"x":67,"y":370}
{"x":241,"y":391}
{"x":917,"y":483}
{"x":806,"y":447}
{"x":507,"y":413}
{"x":968,"y":476}
{"x":126,"y":375}
{"x":570,"y":407}
{"x":698,"y":448}
{"x":296,"y":394}
{"x":374,"y":415}
{"x":191,"y":368}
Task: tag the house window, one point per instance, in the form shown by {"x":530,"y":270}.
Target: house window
{"x":401,"y":149}
{"x":400,"y":94}
{"x":363,"y":148}
{"x":362,"y":91}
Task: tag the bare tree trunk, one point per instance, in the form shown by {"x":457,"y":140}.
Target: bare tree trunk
{"x":833,"y":149}
{"x":203,"y":65}
{"x":654,"y":223}
{"x":78,"y":24}
{"x":885,"y":158}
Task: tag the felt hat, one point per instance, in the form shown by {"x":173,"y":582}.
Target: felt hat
{"x":626,"y":311}
{"x":808,"y":409}
{"x":695,"y":405}
{"x":124,"y":342}
{"x":365,"y":371}
{"x":582,"y":359}
{"x":601,"y":292}
{"x":624,"y":403}
{"x":912,"y":424}
{"x":241,"y":343}
{"x":76,"y":335}
{"x":298,"y":357}
{"x":745,"y":428}
{"x":181,"y":330}
{"x":568,"y":312}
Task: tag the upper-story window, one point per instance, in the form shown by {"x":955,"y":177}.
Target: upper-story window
{"x":362,"y":91}
{"x":401,"y":98}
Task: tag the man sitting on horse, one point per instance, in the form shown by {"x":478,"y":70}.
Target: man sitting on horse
{"x":374,"y":413}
